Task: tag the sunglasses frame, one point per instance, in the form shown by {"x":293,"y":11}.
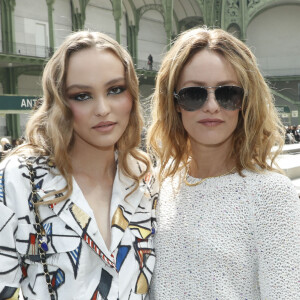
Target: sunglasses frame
{"x":180,"y":102}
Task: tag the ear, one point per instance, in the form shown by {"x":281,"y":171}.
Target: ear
{"x":178,"y":109}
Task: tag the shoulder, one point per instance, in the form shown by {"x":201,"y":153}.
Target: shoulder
{"x":16,"y":162}
{"x":268,"y":180}
{"x":149,"y":179}
{"x":13,"y":164}
{"x":137,"y":162}
{"x":15,"y":184}
{"x":172,"y":188}
{"x":15,"y":168}
{"x":271,"y":191}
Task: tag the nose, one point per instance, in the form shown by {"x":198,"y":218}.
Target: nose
{"x":102,"y":106}
{"x":211,"y":104}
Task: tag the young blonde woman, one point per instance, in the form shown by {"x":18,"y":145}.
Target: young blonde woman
{"x":228,"y":222}
{"x":78,"y":200}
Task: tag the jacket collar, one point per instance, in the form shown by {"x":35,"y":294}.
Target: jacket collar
{"x":77,"y":214}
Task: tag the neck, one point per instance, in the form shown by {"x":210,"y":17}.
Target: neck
{"x":93,"y":162}
{"x":210,"y":161}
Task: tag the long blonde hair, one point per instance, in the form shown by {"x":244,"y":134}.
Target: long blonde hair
{"x":259,"y":127}
{"x":50,"y":129}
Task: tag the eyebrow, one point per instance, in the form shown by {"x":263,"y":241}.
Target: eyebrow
{"x":116,"y":80}
{"x":84,"y":87}
{"x":77,"y":86}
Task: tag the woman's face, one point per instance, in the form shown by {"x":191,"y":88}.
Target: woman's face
{"x":211,"y":125}
{"x":97,"y":93}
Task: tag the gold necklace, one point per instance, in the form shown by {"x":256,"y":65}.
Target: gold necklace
{"x":200,"y":181}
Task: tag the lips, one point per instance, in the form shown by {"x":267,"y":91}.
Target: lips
{"x":210,"y":122}
{"x":104,"y":124}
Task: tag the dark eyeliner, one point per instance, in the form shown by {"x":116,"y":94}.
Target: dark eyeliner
{"x":121,"y":88}
{"x":80,"y":97}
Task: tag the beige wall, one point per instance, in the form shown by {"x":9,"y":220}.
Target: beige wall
{"x":274,"y":37}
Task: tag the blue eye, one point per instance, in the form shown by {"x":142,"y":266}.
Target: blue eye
{"x":81,"y":97}
{"x":116,"y":90}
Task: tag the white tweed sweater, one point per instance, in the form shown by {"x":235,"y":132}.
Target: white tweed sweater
{"x":229,"y":238}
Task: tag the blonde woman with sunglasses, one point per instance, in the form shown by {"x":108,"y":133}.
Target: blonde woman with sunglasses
{"x":228,"y":221}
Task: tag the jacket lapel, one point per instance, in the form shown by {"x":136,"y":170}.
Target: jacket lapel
{"x":122,"y":210}
{"x":76,"y":213}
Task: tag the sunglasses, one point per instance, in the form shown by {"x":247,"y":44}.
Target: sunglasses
{"x":193,"y":98}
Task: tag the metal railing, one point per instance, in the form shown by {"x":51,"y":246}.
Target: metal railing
{"x":28,"y":50}
{"x":143,"y":64}
{"x":45,"y":52}
{"x":290,"y":93}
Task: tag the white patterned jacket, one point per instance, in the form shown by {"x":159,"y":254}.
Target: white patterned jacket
{"x":79,"y":263}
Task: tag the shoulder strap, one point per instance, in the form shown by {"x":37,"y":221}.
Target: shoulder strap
{"x":41,"y":234}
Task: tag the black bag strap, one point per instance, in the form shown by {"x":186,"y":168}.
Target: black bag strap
{"x":41,"y":234}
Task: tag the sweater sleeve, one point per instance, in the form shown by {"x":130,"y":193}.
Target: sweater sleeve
{"x":276,"y":214}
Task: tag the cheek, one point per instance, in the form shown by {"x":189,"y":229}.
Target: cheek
{"x":77,"y":111}
{"x":233,"y":117}
{"x":186,"y":117}
{"x":126,"y":105}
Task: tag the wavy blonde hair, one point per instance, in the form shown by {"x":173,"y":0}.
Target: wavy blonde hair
{"x":50,"y":129}
{"x":259,"y":127}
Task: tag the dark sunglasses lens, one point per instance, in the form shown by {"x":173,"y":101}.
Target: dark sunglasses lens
{"x":230,"y":97}
{"x":192,"y":98}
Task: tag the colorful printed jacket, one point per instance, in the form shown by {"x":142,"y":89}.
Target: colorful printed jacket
{"x":79,"y":263}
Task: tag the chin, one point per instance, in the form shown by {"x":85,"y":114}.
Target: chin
{"x":210,"y":141}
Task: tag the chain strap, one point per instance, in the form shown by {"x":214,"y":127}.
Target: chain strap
{"x":41,"y":234}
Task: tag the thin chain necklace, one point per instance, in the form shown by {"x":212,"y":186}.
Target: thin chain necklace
{"x":200,"y":181}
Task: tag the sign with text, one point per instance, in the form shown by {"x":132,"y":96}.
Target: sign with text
{"x":283,"y":109}
{"x":16,"y":103}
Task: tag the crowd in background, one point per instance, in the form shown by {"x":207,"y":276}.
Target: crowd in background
{"x":292,"y":134}
{"x":6,"y":145}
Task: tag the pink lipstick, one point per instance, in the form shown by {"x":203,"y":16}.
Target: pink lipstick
{"x":104,"y":126}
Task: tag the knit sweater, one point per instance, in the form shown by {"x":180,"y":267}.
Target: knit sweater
{"x":228,"y":238}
